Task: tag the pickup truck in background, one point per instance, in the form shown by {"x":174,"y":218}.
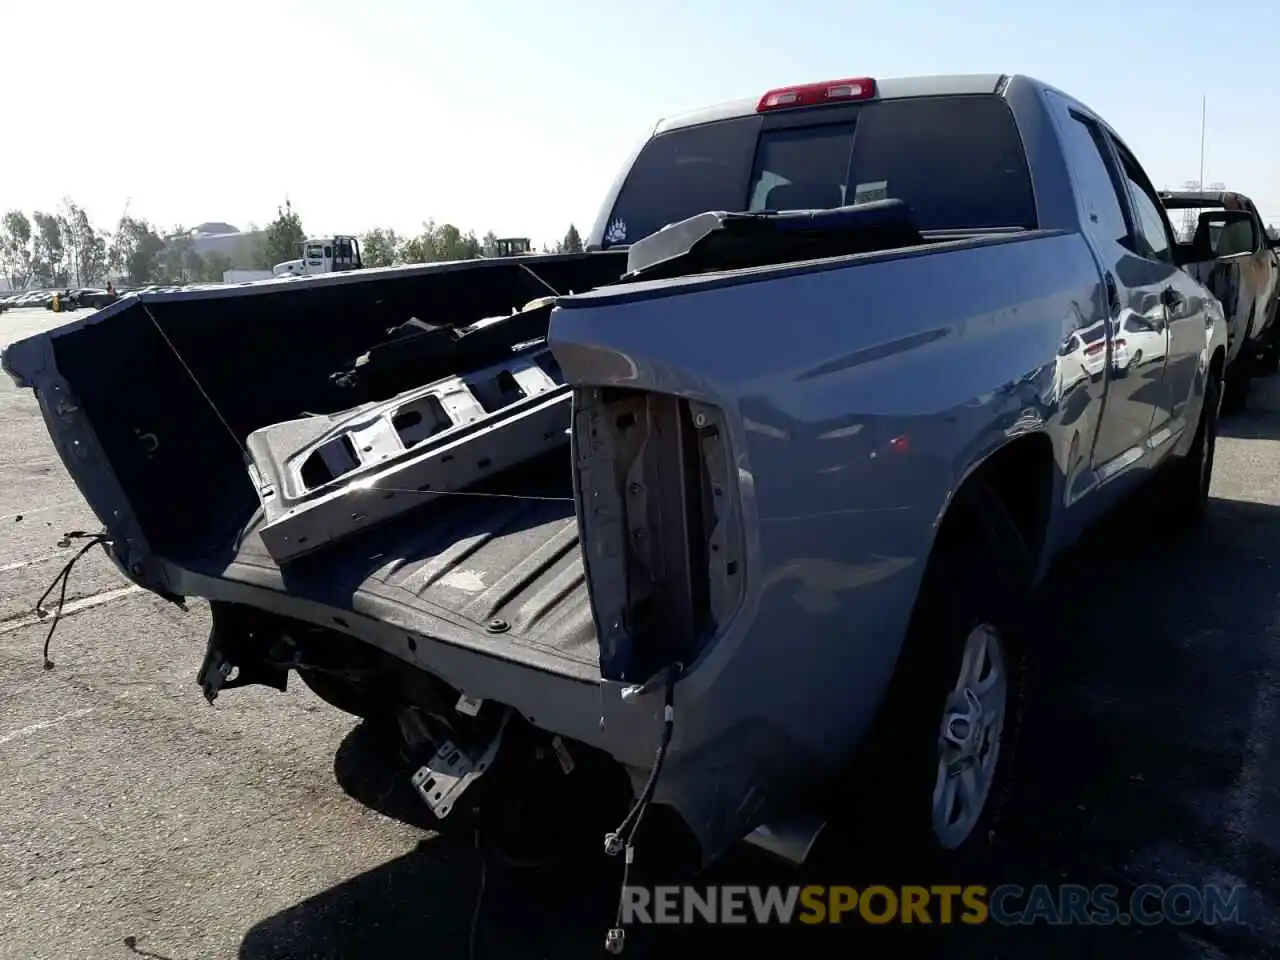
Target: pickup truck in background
{"x":1248,"y":284}
{"x":768,"y":493}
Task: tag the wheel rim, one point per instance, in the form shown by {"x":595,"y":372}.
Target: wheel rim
{"x":969,"y":738}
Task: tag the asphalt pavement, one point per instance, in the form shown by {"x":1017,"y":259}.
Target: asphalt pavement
{"x":137,"y":820}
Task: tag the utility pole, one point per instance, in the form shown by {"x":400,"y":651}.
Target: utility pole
{"x":1204,"y":102}
{"x":1189,"y":216}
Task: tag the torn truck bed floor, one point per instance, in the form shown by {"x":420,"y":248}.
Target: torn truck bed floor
{"x":499,"y":574}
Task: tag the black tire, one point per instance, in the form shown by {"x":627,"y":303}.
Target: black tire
{"x":1235,"y":387}
{"x":1187,"y":482}
{"x":979,"y":574}
{"x":1269,"y":365}
{"x":348,"y":697}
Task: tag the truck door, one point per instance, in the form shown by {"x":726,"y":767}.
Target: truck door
{"x":344,"y":253}
{"x":1180,"y":296}
{"x":1130,"y":296}
{"x":1268,"y":271}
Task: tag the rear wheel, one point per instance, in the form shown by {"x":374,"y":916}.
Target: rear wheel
{"x":348,"y":696}
{"x":1235,"y":387}
{"x":1188,"y":479}
{"x":936,"y":776}
{"x":1269,"y":364}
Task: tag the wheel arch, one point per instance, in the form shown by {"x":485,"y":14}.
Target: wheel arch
{"x":1218,"y":362}
{"x":1020,"y":475}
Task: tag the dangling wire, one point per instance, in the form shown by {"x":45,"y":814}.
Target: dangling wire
{"x":623,"y":838}
{"x":63,"y":578}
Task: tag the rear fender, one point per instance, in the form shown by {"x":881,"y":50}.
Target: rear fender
{"x":850,"y":421}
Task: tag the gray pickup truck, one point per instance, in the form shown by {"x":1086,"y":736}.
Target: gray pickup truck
{"x":765,"y":495}
{"x":1247,"y":286}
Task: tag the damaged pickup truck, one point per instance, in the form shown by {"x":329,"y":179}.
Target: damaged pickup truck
{"x":760,"y":481}
{"x":1247,"y":283}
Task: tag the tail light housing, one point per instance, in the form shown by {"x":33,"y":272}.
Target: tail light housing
{"x":817,"y":94}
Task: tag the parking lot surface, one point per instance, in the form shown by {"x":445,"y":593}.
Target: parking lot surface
{"x":139,"y":820}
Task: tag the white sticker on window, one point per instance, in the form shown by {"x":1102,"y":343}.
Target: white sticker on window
{"x":871,"y":192}
{"x":617,"y":232}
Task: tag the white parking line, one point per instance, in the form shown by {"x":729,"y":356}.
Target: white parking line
{"x":44,"y":725}
{"x":31,"y":513}
{"x":19,"y":564}
{"x":72,"y":607}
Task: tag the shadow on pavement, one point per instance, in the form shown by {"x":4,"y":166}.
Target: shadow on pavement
{"x":1250,"y":424}
{"x":1148,"y":758}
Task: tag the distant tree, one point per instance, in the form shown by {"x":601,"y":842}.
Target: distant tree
{"x":175,"y":258}
{"x":284,"y":234}
{"x":65,"y":265}
{"x":71,"y":222}
{"x":215,"y":265}
{"x":251,"y":252}
{"x":439,"y":243}
{"x":572,"y":243}
{"x":48,"y":250}
{"x":15,"y":248}
{"x":91,"y":253}
{"x":453,"y":244}
{"x":380,"y":247}
{"x":84,"y":247}
{"x":135,"y":251}
{"x":193,"y":265}
{"x":58,"y":249}
{"x":415,"y":249}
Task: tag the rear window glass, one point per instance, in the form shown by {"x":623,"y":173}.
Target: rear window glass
{"x":957,"y":161}
{"x":683,"y":173}
{"x":806,"y":168}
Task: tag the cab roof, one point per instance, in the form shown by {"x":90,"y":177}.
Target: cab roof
{"x":890,"y":89}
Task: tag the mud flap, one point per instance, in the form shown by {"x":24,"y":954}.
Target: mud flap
{"x":235,"y":655}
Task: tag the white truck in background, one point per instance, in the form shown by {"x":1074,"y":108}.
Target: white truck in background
{"x":319,"y":255}
{"x":322,"y":255}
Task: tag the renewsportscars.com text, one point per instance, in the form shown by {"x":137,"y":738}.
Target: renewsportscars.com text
{"x":1009,"y":904}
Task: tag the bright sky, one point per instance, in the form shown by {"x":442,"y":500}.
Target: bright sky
{"x":516,"y":115}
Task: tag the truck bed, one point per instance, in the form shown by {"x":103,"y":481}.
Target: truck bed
{"x":503,"y":575}
{"x":150,"y":402}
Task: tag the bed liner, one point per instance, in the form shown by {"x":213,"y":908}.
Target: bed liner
{"x":500,"y":575}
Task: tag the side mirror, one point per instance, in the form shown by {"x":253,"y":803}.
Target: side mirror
{"x":1222,"y":234}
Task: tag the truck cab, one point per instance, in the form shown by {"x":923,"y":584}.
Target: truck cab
{"x":1247,"y":283}
{"x":323,"y":255}
{"x":513,"y":246}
